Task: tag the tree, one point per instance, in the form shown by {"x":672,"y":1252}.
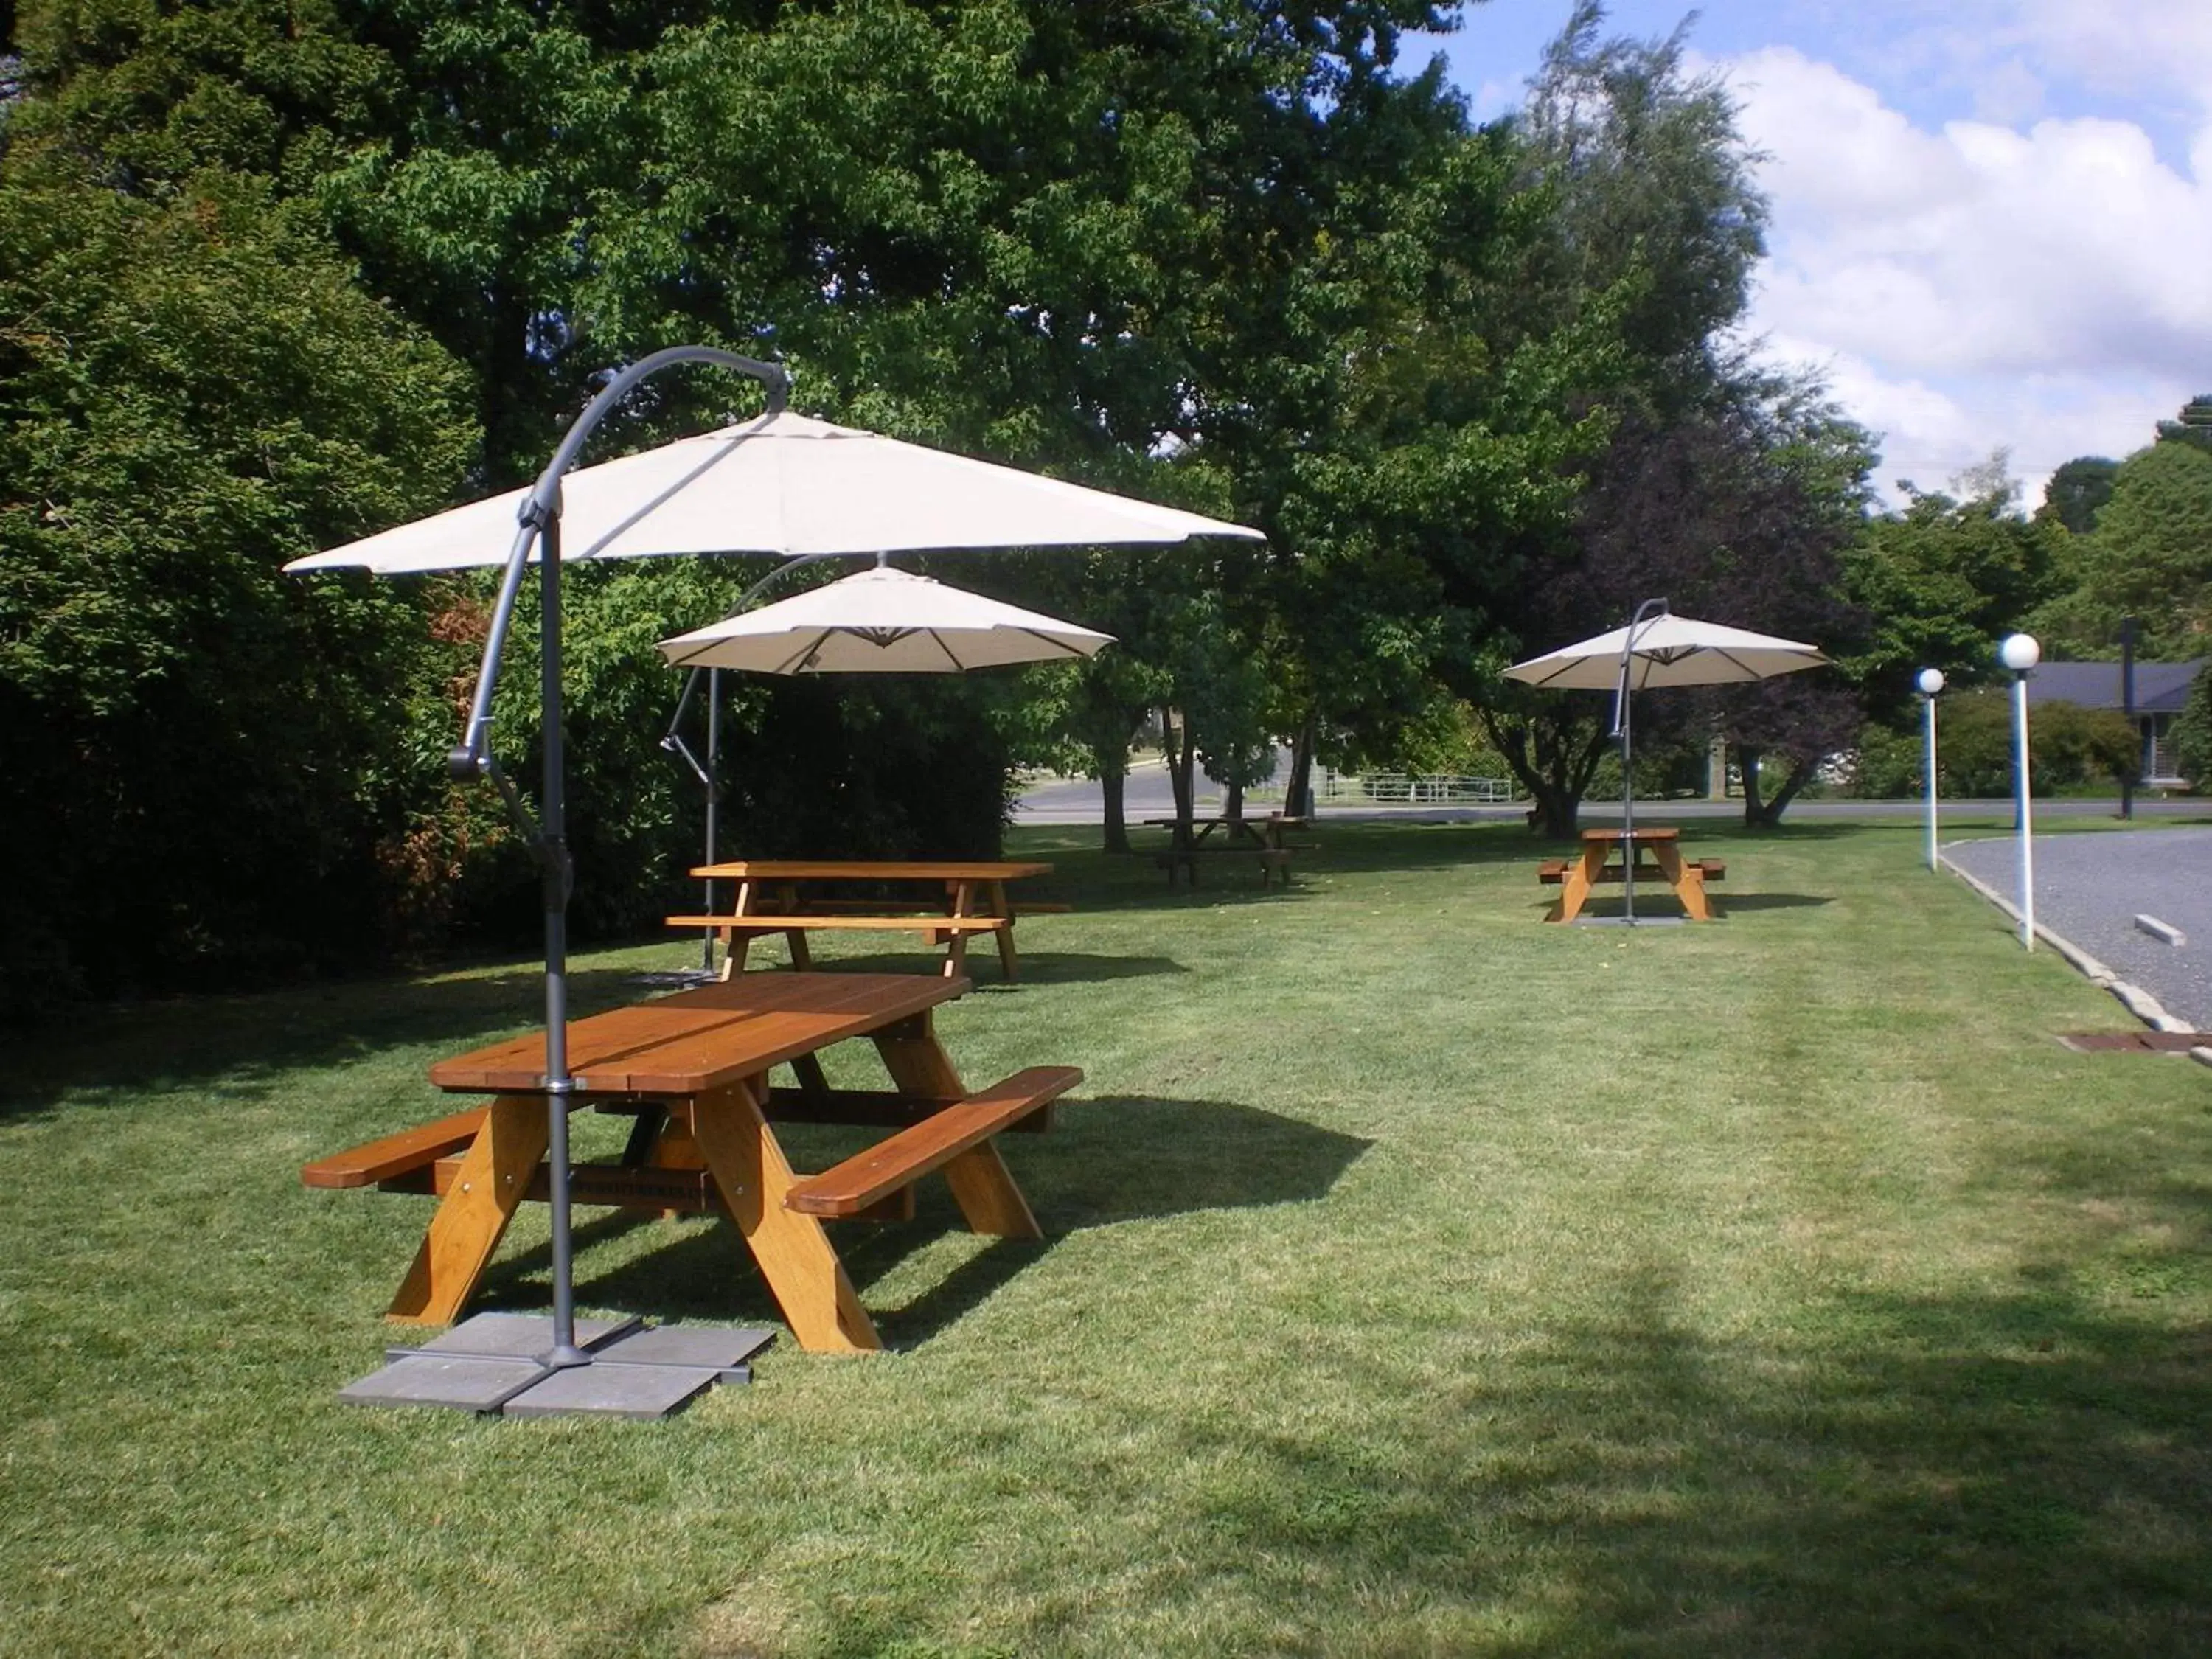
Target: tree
{"x":2077,"y":492}
{"x":2149,"y":557}
{"x":2194,"y":425}
{"x":1943,"y":580}
{"x":1725,"y":491}
{"x":191,"y":393}
{"x":2191,"y":735}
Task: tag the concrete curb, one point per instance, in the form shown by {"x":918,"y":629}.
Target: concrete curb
{"x":2136,"y":1000}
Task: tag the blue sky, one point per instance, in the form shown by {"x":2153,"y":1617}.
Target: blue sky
{"x":1992,"y":219}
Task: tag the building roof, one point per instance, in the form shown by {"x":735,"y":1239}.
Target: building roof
{"x":2161,"y":687}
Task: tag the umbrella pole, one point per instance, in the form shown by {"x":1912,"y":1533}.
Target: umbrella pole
{"x":1622,"y":721}
{"x":559,"y":1084}
{"x":1628,"y":809}
{"x":713,"y":796}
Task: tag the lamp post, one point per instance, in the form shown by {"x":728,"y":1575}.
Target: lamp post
{"x":2019,"y":653}
{"x":1931,"y":681}
{"x":2131,"y":631}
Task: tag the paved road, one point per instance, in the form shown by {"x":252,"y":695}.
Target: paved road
{"x":2089,"y":889}
{"x":1147,"y":795}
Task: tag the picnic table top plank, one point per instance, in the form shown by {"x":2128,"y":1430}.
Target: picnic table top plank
{"x":870,"y":870}
{"x":699,"y":1041}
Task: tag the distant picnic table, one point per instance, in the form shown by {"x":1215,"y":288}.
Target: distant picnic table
{"x":1606,"y":856}
{"x":796,"y":897}
{"x":1261,"y":838}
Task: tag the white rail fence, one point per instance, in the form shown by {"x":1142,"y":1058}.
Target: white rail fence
{"x":1418,"y":791}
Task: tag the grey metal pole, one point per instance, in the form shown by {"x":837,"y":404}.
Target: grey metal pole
{"x":1623,"y":721}
{"x":713,"y":797}
{"x":2131,"y":631}
{"x":559,"y":1086}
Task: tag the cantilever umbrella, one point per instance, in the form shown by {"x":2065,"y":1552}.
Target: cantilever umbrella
{"x":781,"y":484}
{"x":881,"y":622}
{"x":1659,"y":649}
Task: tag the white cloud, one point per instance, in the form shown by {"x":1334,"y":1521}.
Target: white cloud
{"x":1983,"y":284}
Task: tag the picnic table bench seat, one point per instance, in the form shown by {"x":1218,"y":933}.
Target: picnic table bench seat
{"x":876,"y":1185}
{"x":785,"y":896}
{"x":891,"y":1166}
{"x":1552,"y":872}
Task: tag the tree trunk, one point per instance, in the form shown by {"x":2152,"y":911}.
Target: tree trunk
{"x":1233,"y":805}
{"x":1298,"y":792}
{"x":1113,"y":769}
{"x":1182,"y":757}
{"x":1557,"y":813}
{"x":1767,"y":815}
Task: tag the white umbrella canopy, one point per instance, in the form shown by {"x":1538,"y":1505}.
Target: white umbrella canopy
{"x":881,"y":622}
{"x":1669,"y":650}
{"x":783,"y":483}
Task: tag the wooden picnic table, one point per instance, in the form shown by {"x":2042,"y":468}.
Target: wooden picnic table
{"x":785,"y":896}
{"x":1605,"y":855}
{"x":1267,"y":830}
{"x":693,"y":1069}
{"x":1258,"y":837}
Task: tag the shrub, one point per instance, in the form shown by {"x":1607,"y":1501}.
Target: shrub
{"x":2072,"y":746}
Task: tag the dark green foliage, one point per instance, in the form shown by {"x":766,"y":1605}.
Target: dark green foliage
{"x":2077,"y":492}
{"x":2192,"y":733}
{"x":1943,"y":580}
{"x":2071,"y":747}
{"x":202,"y":754}
{"x":2150,"y":557}
{"x":2194,"y":425}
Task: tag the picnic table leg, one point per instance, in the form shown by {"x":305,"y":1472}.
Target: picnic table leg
{"x":961,"y":903}
{"x":1688,"y":880}
{"x":792,"y":1251}
{"x":982,"y":1184}
{"x":488,"y":1189}
{"x":1002,"y":908}
{"x":1575,"y":885}
{"x":735,"y":946}
{"x":811,"y":1077}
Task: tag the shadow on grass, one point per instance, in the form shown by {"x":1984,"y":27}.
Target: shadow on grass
{"x":2018,"y":1473}
{"x":1119,"y":1158}
{"x":242,"y":1047}
{"x":1037,"y":967}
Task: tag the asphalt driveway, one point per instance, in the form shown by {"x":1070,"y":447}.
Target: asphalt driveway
{"x":2090,"y":888}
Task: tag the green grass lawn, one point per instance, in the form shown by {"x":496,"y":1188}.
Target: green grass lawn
{"x":1420,"y":1279}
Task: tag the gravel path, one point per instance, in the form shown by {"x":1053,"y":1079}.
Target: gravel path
{"x":2090,"y":888}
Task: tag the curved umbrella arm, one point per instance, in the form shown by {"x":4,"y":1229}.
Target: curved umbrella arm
{"x":472,"y":759}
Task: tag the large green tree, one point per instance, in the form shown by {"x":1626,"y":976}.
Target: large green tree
{"x":2149,"y":557}
{"x":1703,"y":480}
{"x":1944,"y":578}
{"x":210,"y":762}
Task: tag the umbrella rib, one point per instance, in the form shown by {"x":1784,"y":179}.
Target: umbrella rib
{"x":937,"y":640}
{"x":1061,"y":645}
{"x":796,"y":662}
